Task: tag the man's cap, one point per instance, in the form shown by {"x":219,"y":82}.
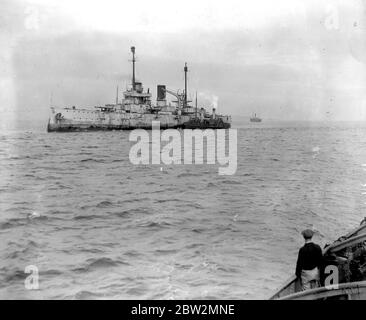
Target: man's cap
{"x":307,"y":233}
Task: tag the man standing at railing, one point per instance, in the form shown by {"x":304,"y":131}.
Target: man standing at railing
{"x":309,"y":262}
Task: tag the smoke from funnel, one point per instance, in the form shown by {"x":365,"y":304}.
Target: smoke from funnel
{"x":215,"y":101}
{"x":209,"y":100}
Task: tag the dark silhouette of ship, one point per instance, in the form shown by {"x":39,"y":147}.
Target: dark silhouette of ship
{"x":255,"y":118}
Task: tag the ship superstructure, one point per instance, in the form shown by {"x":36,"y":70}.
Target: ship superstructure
{"x":135,"y":110}
{"x":254,"y":118}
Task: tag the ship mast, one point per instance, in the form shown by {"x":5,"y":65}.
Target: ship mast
{"x":185,"y":85}
{"x":133,"y":68}
{"x":196,"y":106}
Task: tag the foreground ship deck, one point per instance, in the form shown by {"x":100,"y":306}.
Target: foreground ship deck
{"x":136,"y":110}
{"x":344,"y":291}
{"x":348,"y":253}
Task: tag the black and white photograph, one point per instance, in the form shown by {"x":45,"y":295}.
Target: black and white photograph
{"x":188,"y":150}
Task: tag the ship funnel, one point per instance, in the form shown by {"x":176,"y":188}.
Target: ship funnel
{"x":161,"y":95}
{"x":161,"y":92}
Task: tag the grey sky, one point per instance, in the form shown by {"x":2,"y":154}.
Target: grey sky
{"x":289,"y":60}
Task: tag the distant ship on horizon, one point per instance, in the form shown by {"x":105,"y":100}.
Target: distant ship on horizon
{"x":255,"y":118}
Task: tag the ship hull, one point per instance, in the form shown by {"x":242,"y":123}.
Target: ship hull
{"x":217,"y":122}
{"x":67,"y":119}
{"x":70,"y":119}
{"x":193,"y":125}
{"x":70,"y":127}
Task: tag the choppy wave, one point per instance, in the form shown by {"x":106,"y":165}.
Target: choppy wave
{"x":99,"y":227}
{"x":99,"y":263}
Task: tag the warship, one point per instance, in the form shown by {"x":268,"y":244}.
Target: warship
{"x":255,"y":118}
{"x":136,"y":111}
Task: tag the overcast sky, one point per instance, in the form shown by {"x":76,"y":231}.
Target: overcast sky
{"x":288,"y":60}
